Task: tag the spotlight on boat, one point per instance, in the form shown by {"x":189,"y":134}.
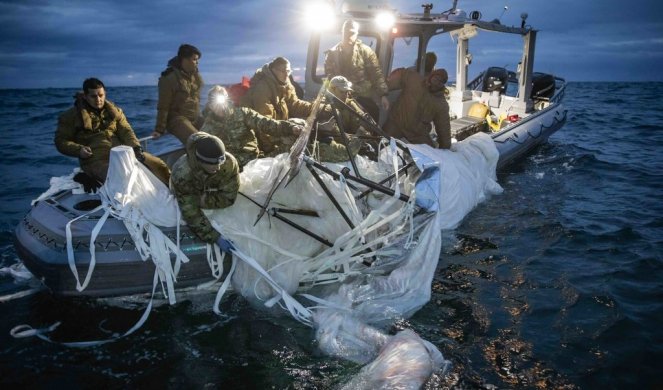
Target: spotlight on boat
{"x":385,"y":20}
{"x":319,"y":16}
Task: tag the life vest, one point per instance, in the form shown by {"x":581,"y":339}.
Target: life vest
{"x":236,"y":91}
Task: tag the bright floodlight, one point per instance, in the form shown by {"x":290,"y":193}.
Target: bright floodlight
{"x":319,"y":16}
{"x":385,"y":20}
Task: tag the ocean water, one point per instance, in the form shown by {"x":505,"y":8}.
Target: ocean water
{"x":556,"y":283}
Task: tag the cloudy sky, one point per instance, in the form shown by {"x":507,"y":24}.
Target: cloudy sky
{"x":59,"y":43}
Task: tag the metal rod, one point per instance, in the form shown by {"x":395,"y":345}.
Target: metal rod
{"x":373,"y":185}
{"x":301,"y":229}
{"x":344,"y":137}
{"x":368,"y":191}
{"x":289,"y":222}
{"x":308,"y":213}
{"x":330,"y":196}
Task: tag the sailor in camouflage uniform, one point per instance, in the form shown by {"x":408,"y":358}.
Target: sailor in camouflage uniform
{"x":237,"y":127}
{"x":329,"y":146}
{"x":207,"y":177}
{"x":358,"y":63}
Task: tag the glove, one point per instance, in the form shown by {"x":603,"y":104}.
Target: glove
{"x":90,"y":185}
{"x":225,"y":245}
{"x":138,"y":152}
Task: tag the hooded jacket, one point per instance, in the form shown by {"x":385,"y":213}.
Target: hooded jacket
{"x":237,"y":129}
{"x":101,"y":130}
{"x":271,"y":98}
{"x":179,"y":95}
{"x":360,"y":66}
{"x":195,"y":189}
{"x":411,"y":115}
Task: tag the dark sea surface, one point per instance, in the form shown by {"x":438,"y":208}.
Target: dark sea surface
{"x":556,"y":283}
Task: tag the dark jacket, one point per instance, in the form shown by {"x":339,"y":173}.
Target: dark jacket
{"x":179,"y":95}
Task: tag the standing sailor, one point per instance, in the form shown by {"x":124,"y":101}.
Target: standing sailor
{"x":359,"y":64}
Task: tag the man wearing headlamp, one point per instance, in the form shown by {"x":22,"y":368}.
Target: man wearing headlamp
{"x":239,"y":127}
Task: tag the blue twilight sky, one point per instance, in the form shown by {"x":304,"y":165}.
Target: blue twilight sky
{"x":59,"y":43}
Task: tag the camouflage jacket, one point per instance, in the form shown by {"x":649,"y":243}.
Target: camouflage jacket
{"x":411,"y":115}
{"x":274,"y":99}
{"x":237,"y":129}
{"x":195,"y":189}
{"x":179,"y":95}
{"x":101,"y":130}
{"x":360,"y":66}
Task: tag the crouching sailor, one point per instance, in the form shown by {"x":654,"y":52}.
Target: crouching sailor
{"x":91,"y":128}
{"x":205,"y":178}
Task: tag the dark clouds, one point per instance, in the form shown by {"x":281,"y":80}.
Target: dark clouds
{"x":58,"y":43}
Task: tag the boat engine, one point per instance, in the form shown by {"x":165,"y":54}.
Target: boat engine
{"x":495,"y":79}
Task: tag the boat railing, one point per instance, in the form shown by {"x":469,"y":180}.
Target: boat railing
{"x":560,"y":88}
{"x":474,"y":84}
{"x":143,"y":141}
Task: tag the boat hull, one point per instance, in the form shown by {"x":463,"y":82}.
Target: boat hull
{"x":40,"y":241}
{"x":520,"y":138}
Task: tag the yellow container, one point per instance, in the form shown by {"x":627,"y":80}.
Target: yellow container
{"x":478,"y":110}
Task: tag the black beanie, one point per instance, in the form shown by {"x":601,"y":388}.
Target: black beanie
{"x":210,"y":150}
{"x":186,"y":51}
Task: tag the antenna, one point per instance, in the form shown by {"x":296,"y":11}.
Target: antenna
{"x":506,"y":7}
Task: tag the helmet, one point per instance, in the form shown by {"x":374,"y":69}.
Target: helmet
{"x":340,"y":83}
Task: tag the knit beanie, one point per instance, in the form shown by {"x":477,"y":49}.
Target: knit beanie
{"x":210,"y":150}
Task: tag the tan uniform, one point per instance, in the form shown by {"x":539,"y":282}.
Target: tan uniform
{"x":178,"y":109}
{"x":101,"y":130}
{"x":411,"y":115}
{"x":276,"y":100}
{"x":359,"y":65}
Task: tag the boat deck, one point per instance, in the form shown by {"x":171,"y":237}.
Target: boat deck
{"x":464,"y":127}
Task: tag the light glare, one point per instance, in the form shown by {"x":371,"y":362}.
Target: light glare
{"x":220,"y":99}
{"x":385,"y":20}
{"x":319,"y":16}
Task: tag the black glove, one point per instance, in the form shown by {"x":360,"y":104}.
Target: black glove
{"x":140,"y":156}
{"x":90,"y":185}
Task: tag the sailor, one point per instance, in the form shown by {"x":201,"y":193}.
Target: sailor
{"x":330,"y":146}
{"x":422,"y":102}
{"x":359,"y":64}
{"x":207,"y":177}
{"x":178,"y":108}
{"x":237,"y":127}
{"x":91,"y":128}
{"x":273,"y":95}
